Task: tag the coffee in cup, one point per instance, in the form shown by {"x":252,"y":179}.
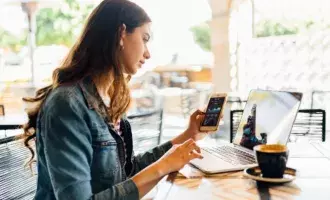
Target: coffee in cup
{"x":272,"y":159}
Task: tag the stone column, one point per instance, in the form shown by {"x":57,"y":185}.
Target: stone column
{"x":237,"y":14}
{"x":219,"y":25}
{"x":30,"y":7}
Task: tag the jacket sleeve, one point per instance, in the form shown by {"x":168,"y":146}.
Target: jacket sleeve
{"x":141,"y":161}
{"x":68,"y":152}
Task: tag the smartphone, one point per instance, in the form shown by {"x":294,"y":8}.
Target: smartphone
{"x":213,"y":112}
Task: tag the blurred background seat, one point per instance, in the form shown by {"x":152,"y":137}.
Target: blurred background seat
{"x":309,"y":124}
{"x":16,"y":181}
{"x":146,"y":129}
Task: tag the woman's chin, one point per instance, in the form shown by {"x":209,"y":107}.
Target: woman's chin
{"x":137,"y":68}
{"x":133,"y":72}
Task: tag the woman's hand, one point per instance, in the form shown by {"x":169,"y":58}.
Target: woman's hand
{"x":195,"y":121}
{"x":179,"y":155}
{"x":192,"y":132}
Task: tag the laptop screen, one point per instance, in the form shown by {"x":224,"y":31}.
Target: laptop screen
{"x":268,"y":118}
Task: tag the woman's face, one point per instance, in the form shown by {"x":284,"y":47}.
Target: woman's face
{"x":134,"y":51}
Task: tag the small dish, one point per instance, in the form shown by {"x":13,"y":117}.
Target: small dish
{"x":255,"y":174}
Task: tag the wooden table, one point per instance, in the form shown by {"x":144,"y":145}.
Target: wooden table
{"x":312,"y":160}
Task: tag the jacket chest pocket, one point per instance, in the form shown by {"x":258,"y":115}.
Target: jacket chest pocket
{"x":106,"y":164}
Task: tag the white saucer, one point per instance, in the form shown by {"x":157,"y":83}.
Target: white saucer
{"x":255,"y":174}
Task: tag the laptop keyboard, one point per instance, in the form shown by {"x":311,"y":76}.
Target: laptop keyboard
{"x":231,"y":155}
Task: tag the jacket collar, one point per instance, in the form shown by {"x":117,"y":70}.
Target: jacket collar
{"x":91,"y":95}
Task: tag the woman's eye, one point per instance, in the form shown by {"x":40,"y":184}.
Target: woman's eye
{"x":146,"y":40}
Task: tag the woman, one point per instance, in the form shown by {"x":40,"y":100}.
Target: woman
{"x":84,"y":147}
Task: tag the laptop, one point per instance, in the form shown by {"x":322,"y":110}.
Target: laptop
{"x":267,"y":118}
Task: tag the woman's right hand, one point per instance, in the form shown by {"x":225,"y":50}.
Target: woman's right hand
{"x":179,"y":155}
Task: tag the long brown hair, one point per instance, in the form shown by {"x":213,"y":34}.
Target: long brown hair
{"x":94,"y":54}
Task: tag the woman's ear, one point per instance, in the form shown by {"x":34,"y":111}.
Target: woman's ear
{"x":122,"y":35}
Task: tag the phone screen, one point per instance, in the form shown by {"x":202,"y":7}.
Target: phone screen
{"x":213,"y":111}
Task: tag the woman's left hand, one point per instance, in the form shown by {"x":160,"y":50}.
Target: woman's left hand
{"x":192,"y":132}
{"x":195,"y":121}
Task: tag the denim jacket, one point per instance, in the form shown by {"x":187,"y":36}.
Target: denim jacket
{"x":80,"y":155}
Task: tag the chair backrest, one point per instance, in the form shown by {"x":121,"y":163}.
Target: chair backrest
{"x":16,"y":181}
{"x":235,"y":118}
{"x":309,"y":123}
{"x":146,"y":129}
